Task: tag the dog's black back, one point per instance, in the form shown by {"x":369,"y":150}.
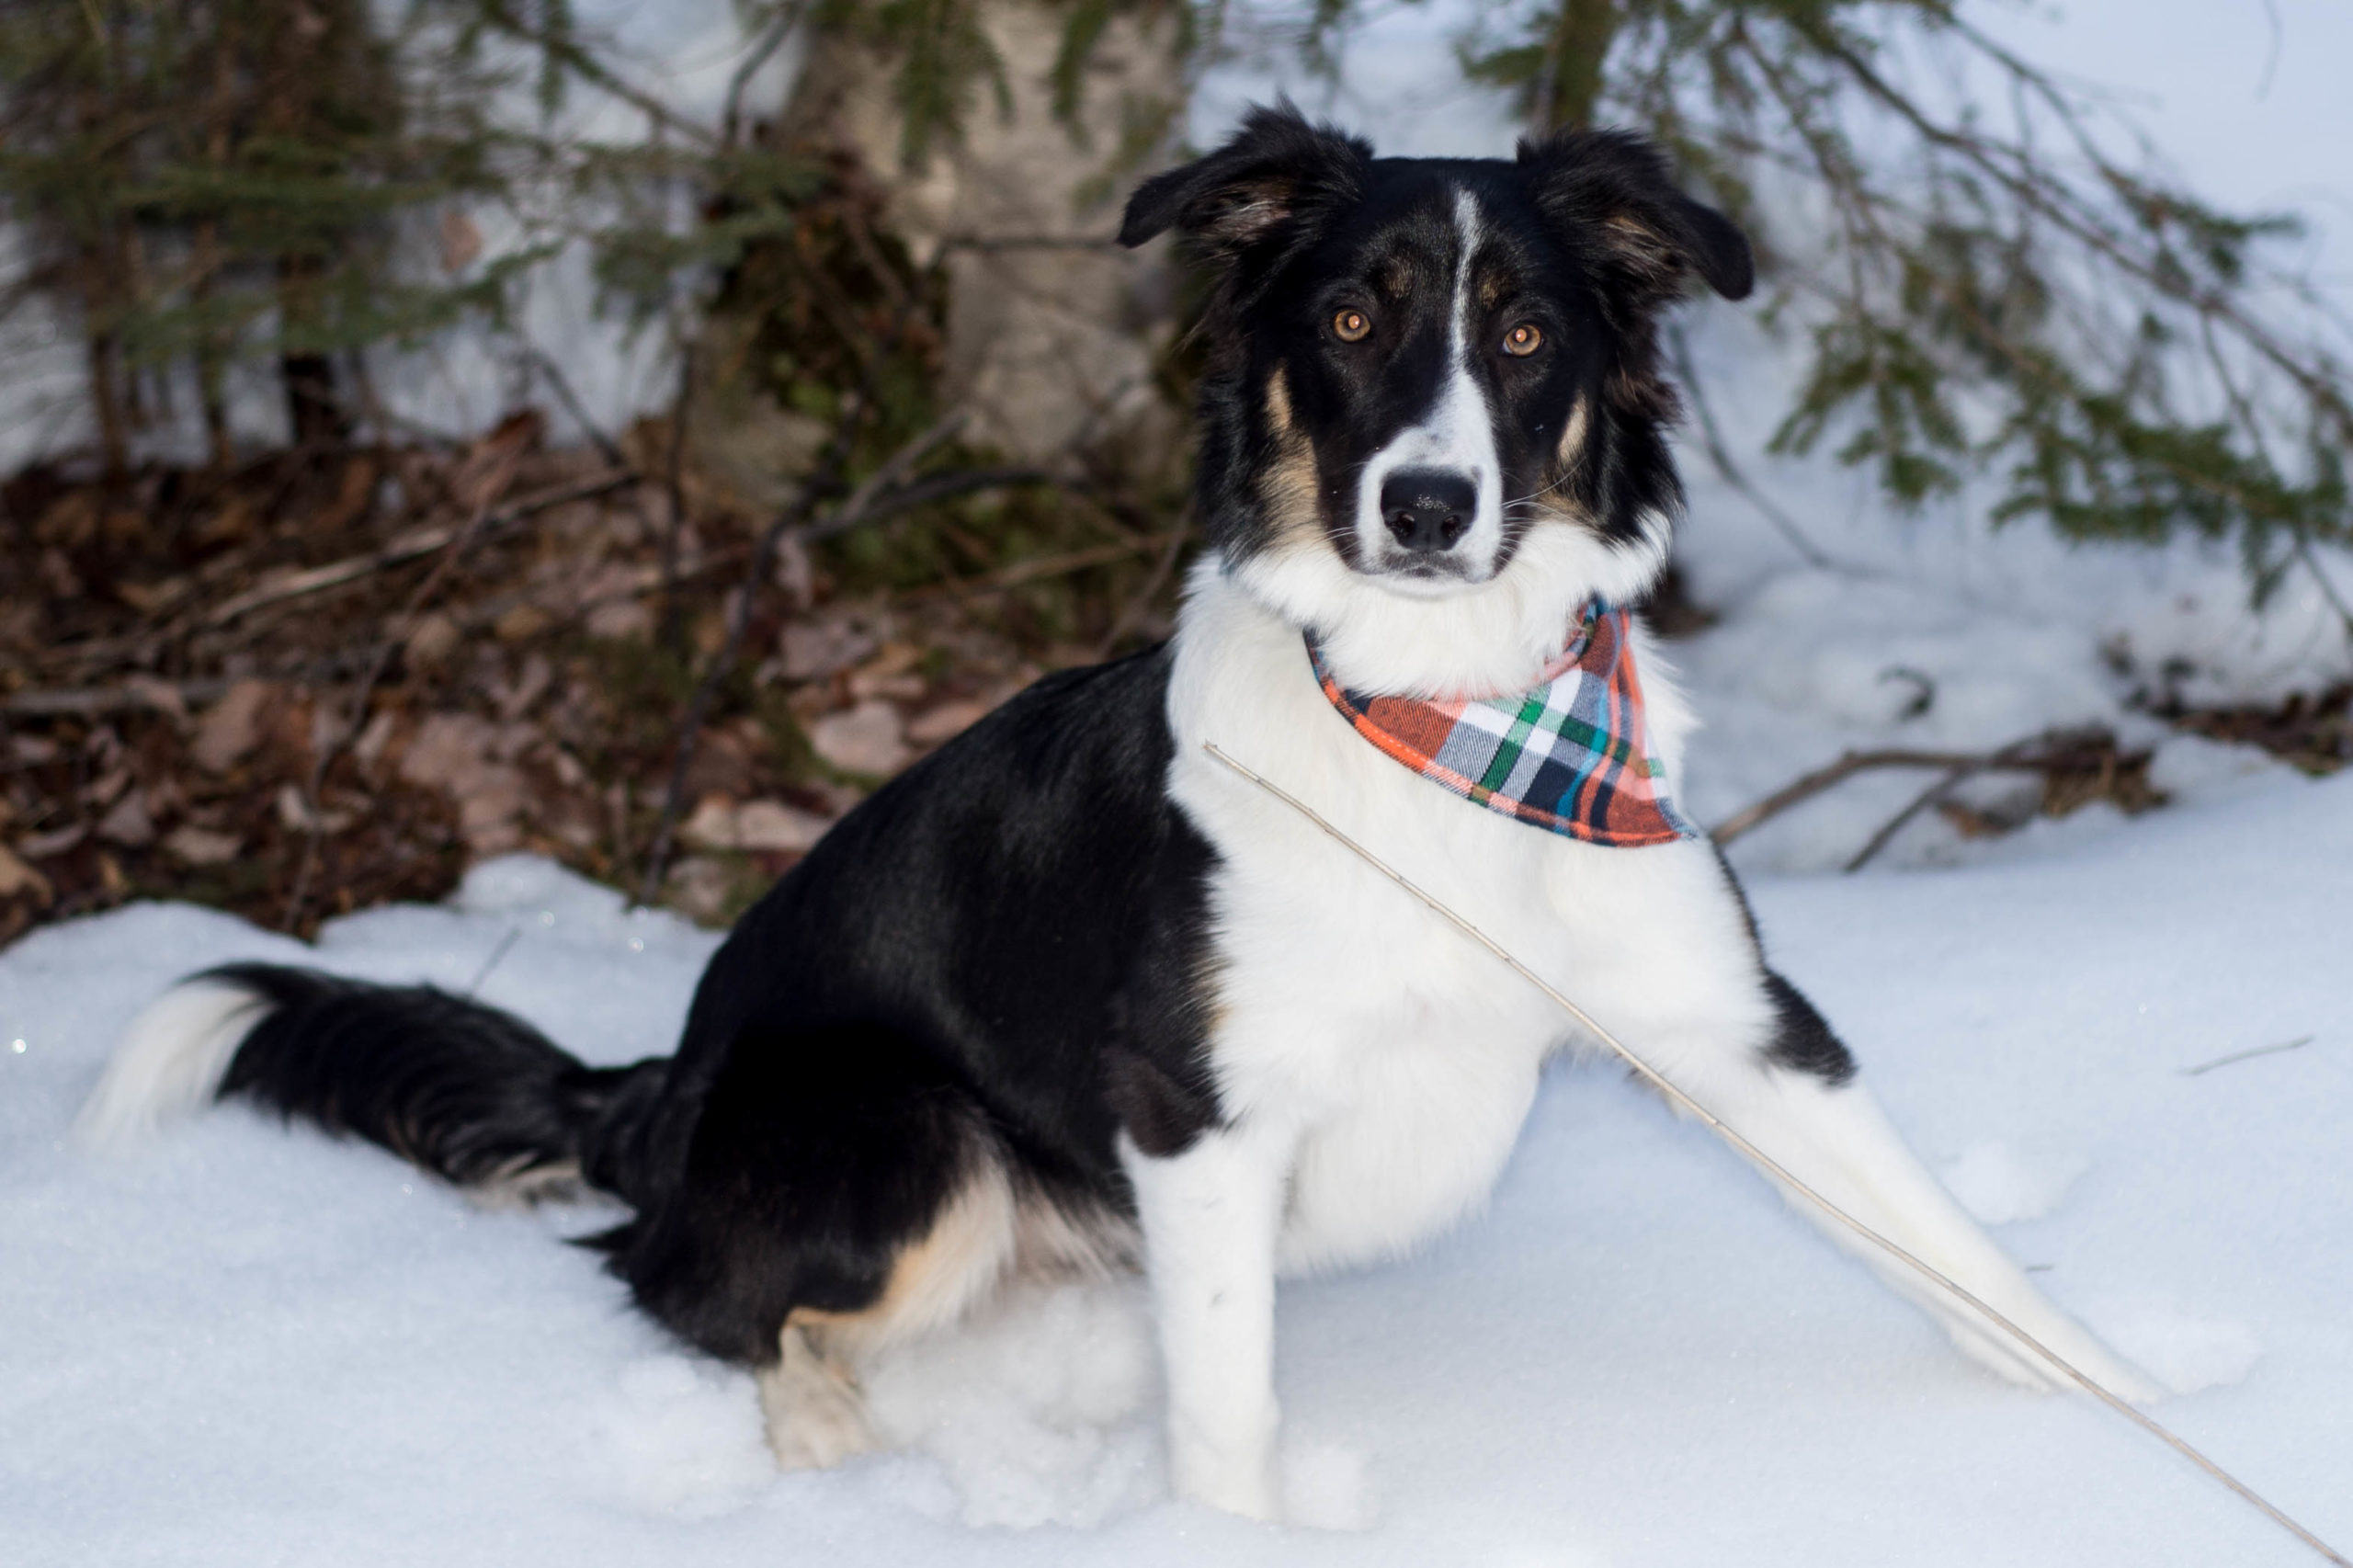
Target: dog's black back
{"x":1002,"y":964}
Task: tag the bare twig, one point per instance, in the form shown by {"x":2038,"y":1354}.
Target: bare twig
{"x":731,"y":118}
{"x":1683,"y":1102}
{"x":2059,"y":751}
{"x":1895,"y":824}
{"x":1828,"y":776}
{"x":90,"y":701}
{"x":985,"y":245}
{"x":2305,"y":555}
{"x":330,"y":746}
{"x":497,"y":955}
{"x":592,"y":70}
{"x":1134,"y":612}
{"x":675,"y":487}
{"x":931,"y":487}
{"x":1032,"y":570}
{"x":560,"y":384}
{"x":1726,"y":465}
{"x":795,"y":518}
{"x":2202,"y":1067}
{"x":408,"y":547}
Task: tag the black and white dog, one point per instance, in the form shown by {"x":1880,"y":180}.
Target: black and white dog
{"x":1068,"y":994}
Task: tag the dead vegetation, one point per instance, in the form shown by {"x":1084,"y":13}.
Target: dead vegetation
{"x":318,"y":683}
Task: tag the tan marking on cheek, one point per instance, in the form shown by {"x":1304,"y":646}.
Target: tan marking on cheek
{"x":1287,"y":485}
{"x":1278,"y":417}
{"x":1570,"y":449}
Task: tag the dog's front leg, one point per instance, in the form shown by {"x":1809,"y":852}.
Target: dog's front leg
{"x":1209,"y":1215}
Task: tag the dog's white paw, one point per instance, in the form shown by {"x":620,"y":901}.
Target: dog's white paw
{"x":2001,"y":1353}
{"x":1234,"y":1475}
{"x":816,"y":1415}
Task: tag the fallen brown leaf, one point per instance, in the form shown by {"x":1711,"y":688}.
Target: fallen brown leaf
{"x":16,"y":877}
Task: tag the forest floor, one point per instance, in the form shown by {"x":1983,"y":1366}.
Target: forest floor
{"x":310,"y":687}
{"x":315,"y":684}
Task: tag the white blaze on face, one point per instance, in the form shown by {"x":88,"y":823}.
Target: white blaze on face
{"x":1456,"y":434}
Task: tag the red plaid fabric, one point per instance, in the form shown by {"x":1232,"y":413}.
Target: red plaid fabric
{"x":1573,"y":755}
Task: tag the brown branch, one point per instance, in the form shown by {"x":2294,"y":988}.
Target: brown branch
{"x":90,"y":701}
{"x":594,"y":71}
{"x":1030,"y":571}
{"x":731,"y":118}
{"x":822,"y":481}
{"x":674,"y":488}
{"x":560,"y":384}
{"x":2067,"y":210}
{"x":1729,"y":468}
{"x":1134,"y":612}
{"x":402,"y":626}
{"x":411,"y":546}
{"x":2060,"y":750}
{"x":1897,"y":823}
{"x":989,"y":245}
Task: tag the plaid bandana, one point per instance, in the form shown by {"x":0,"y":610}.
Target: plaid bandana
{"x":1572,"y":754}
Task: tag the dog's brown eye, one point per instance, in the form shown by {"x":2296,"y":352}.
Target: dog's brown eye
{"x":1522,"y":340}
{"x":1352,"y":326}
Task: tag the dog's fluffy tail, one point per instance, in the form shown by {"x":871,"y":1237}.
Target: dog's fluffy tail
{"x":473,"y":1095}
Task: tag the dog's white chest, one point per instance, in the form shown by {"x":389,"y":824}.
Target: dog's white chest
{"x":1404,"y":1056}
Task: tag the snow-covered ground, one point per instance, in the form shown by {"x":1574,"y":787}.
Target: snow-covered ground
{"x":246,"y":1345}
{"x":241,"y":1344}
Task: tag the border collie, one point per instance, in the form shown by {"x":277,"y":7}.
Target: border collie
{"x":1067,"y":995}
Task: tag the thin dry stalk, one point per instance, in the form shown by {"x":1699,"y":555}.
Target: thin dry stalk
{"x":2059,"y":751}
{"x":1765,"y":1162}
{"x":403,"y":627}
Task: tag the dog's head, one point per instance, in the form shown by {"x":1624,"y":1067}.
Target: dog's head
{"x":1435,"y":413}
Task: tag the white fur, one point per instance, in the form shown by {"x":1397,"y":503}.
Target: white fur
{"x":1458,"y":434}
{"x":1209,"y":1217}
{"x":1375,"y":1066}
{"x":1481,"y":635}
{"x":169,"y":1062}
{"x":1482,"y":640}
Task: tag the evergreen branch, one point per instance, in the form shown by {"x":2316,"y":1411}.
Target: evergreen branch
{"x":788,"y":17}
{"x":567,"y":52}
{"x":2043,"y":196}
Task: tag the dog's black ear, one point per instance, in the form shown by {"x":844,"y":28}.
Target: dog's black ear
{"x":1612,"y":197}
{"x":1274,"y":177}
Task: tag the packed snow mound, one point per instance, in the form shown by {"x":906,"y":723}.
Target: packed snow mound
{"x":238,"y":1342}
{"x":1999,"y":1184}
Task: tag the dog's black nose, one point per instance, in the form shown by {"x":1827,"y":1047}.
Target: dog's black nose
{"x":1428,"y":508}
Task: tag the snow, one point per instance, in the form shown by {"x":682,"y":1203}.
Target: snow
{"x":240,"y":1344}
{"x":1999,"y":1184}
{"x":237,"y":1344}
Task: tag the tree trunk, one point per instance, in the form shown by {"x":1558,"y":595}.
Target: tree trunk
{"x":1050,"y":325}
{"x":1575,"y":50}
{"x":106,"y":403}
{"x":314,"y":414}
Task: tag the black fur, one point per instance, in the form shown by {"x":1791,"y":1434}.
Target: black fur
{"x":468,"y":1091}
{"x":1003,"y":957}
{"x":999,"y":956}
{"x":1803,"y":1042}
{"x":1588,"y":239}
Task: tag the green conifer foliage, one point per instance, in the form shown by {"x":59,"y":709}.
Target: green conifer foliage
{"x":217,"y":181}
{"x":1995,"y":278}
